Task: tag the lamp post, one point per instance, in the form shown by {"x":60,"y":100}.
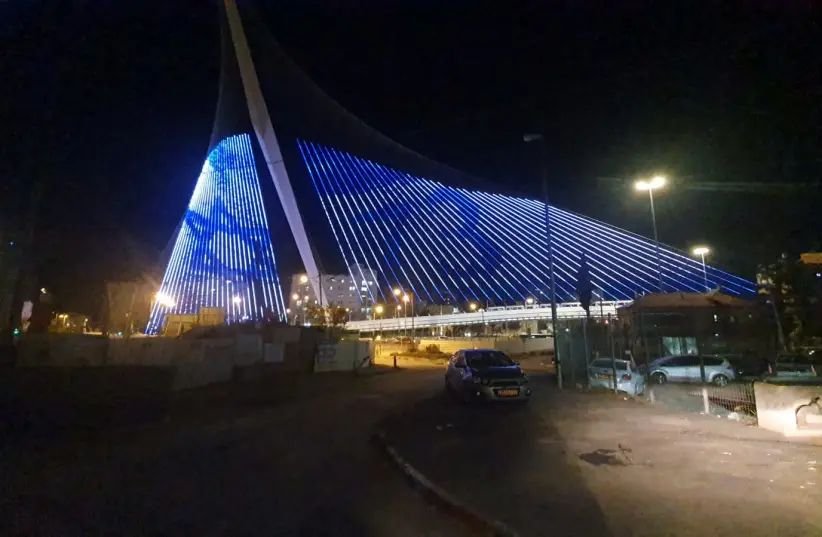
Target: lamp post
{"x":702,"y":251}
{"x":549,"y":243}
{"x":304,"y":279}
{"x":406,"y":298}
{"x":378,"y":309}
{"x":655,"y":183}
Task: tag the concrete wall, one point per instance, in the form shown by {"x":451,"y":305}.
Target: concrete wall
{"x":512,"y":346}
{"x":343,"y":356}
{"x":61,"y":350}
{"x":777,"y":406}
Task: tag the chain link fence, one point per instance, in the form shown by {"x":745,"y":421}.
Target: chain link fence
{"x":734,"y":401}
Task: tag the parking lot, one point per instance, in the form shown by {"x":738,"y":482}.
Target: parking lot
{"x":573,"y":463}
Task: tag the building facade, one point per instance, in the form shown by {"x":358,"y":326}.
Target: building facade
{"x":353,"y":291}
{"x":667,"y":324}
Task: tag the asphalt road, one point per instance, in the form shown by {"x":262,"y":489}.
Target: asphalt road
{"x":571,"y":464}
{"x":268,"y":467}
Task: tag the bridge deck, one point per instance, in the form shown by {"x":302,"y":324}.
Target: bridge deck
{"x":567,"y":310}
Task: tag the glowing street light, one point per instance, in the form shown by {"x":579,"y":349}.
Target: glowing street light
{"x":378,"y":309}
{"x":472,"y":306}
{"x":295,"y":296}
{"x":165,"y":299}
{"x":303,"y":278}
{"x":236,"y":299}
{"x":397,"y":291}
{"x":529,"y":300}
{"x":655,"y":183}
{"x":702,"y":251}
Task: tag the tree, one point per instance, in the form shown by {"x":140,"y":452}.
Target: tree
{"x":795,"y":294}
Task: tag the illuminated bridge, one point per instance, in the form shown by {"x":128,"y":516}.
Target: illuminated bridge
{"x":495,"y":315}
{"x":295,"y":183}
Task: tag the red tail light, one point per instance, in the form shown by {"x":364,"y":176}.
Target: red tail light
{"x":626,"y":377}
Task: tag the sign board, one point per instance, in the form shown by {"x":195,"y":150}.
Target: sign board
{"x":811,"y":258}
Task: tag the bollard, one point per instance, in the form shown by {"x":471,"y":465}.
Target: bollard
{"x":705,"y":400}
{"x":651,"y":395}
{"x":395,"y":360}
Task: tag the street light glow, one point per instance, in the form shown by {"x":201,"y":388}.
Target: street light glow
{"x":379,"y":309}
{"x":303,"y":278}
{"x":165,"y":299}
{"x":472,"y":306}
{"x":397,"y":291}
{"x":656,"y":182}
{"x":529,"y":300}
{"x":236,"y":299}
{"x":399,"y":307}
{"x":701,"y":250}
{"x":295,"y":296}
{"x":406,"y":298}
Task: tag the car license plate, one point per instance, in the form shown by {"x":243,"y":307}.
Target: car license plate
{"x":510,"y":392}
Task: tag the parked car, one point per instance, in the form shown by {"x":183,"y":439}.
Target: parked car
{"x":718,"y":370}
{"x":629,"y":378}
{"x":794,"y":366}
{"x":749,"y":366}
{"x":486,"y":374}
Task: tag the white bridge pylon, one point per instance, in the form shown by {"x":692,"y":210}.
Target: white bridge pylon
{"x":567,"y":310}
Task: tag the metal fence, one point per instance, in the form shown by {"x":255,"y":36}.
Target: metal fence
{"x":734,"y":401}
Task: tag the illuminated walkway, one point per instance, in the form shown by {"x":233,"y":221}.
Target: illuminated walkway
{"x":568,"y":310}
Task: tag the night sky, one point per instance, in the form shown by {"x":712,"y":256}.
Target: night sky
{"x":110,"y":105}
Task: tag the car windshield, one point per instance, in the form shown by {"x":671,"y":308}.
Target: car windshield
{"x":487,"y":359}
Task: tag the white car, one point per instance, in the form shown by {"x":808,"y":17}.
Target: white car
{"x":629,"y":378}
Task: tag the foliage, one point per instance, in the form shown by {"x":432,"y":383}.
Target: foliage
{"x":796,"y":294}
{"x":333,"y":315}
{"x":433,"y":348}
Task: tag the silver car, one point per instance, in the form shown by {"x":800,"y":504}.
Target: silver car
{"x":629,"y":379}
{"x":718,"y":370}
{"x":486,"y":374}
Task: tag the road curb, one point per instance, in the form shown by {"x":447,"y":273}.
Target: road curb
{"x":439,"y":497}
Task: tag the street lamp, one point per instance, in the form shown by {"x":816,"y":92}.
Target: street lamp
{"x":472,"y":306}
{"x":549,"y":243}
{"x":529,"y":301}
{"x":164,"y":299}
{"x":655,"y":183}
{"x":702,"y":251}
{"x":406,"y":298}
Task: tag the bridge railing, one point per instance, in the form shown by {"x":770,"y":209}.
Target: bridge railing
{"x":566,"y":310}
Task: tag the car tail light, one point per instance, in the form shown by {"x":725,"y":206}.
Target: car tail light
{"x":626,"y":377}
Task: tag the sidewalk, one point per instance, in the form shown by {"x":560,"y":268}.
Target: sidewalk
{"x":593,"y":464}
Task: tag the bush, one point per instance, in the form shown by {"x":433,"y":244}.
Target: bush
{"x":432,"y":349}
